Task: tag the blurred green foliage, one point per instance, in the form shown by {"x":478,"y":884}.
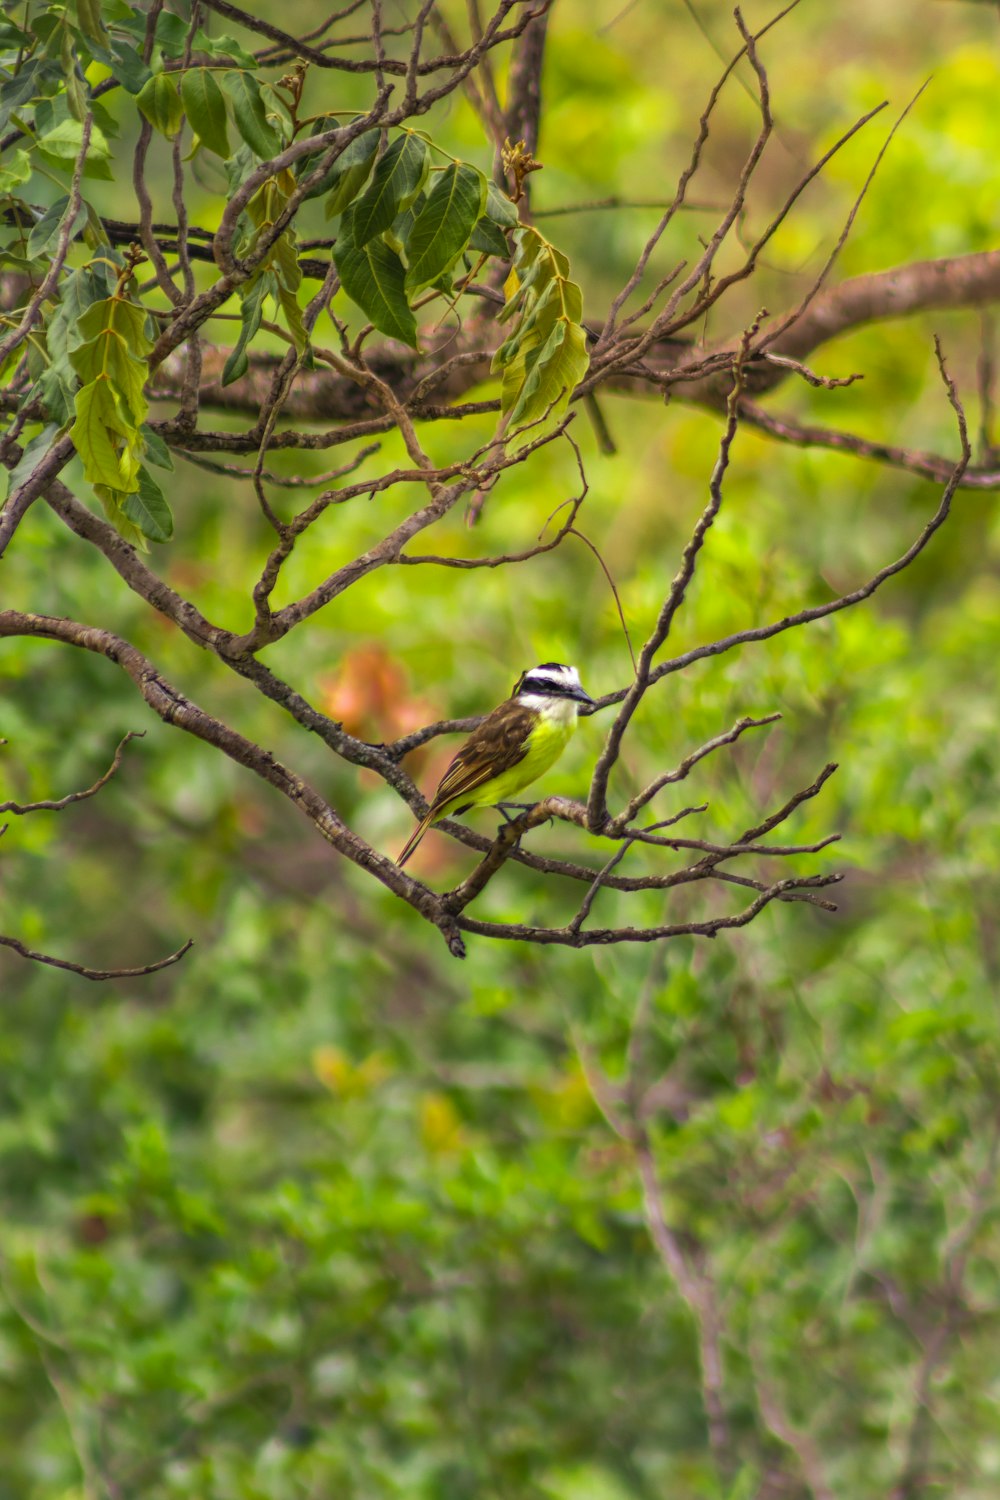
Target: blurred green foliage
{"x":321,"y":1212}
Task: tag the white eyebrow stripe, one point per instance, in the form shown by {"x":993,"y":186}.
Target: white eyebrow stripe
{"x":563,"y":677}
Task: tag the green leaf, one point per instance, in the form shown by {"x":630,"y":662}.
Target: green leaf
{"x":157,"y":451}
{"x":172,"y":33}
{"x":373,"y":276}
{"x":88,"y":14}
{"x":127,"y":373}
{"x":533,"y":284}
{"x":160,"y":102}
{"x":349,"y":173}
{"x":147,"y":508}
{"x":33,"y":269}
{"x":94,"y":233}
{"x":121,"y":13}
{"x":111,"y":404}
{"x":46,"y":231}
{"x":111,"y":500}
{"x":130,"y":70}
{"x":15,"y":171}
{"x":64,"y":140}
{"x":32,"y":455}
{"x":89,"y":284}
{"x":512,"y":381}
{"x":126,"y":318}
{"x":499,"y":208}
{"x":250,"y":115}
{"x":225,"y":47}
{"x":239,"y":166}
{"x":398,"y":177}
{"x":285,"y":263}
{"x":542,"y":312}
{"x":99,"y":420}
{"x":443,"y":226}
{"x":251,"y":312}
{"x":11,"y":35}
{"x":49,"y":26}
{"x":544,"y":357}
{"x":279,"y":116}
{"x":76,"y":95}
{"x":55,"y":393}
{"x":34,"y":357}
{"x":552,"y":372}
{"x":403,"y":224}
{"x":488,"y":238}
{"x":205,"y":106}
{"x":23,"y":87}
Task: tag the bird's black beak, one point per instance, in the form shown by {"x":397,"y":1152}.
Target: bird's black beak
{"x":581,"y":695}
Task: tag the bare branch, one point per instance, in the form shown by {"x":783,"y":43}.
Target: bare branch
{"x":680,"y":195}
{"x":19,"y":809}
{"x":845,"y":601}
{"x":98,"y":974}
{"x":774,"y":334}
{"x":41,"y":477}
{"x":687,"y":765}
{"x":602,"y":936}
{"x":806,"y":435}
{"x":597,"y":808}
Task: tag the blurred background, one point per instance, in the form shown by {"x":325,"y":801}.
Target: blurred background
{"x":320,"y":1211}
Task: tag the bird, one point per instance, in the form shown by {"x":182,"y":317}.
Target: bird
{"x":511,"y":748}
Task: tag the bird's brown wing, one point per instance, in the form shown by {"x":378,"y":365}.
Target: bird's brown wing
{"x":498,"y":744}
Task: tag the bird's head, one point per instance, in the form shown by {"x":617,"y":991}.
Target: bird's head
{"x":550,"y":681}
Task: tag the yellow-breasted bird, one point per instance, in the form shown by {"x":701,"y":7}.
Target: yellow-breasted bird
{"x":511,"y":748}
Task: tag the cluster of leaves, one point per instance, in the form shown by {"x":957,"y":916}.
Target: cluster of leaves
{"x":407,"y":230}
{"x":397,"y":238}
{"x":166,"y":99}
{"x":400,"y":238}
{"x":46,"y":56}
{"x":544,"y":357}
{"x":278,"y":275}
{"x":107,"y":345}
{"x":89,"y":365}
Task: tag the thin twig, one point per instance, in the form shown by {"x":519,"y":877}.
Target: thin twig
{"x":597,"y":801}
{"x":97,"y":974}
{"x":20,"y":809}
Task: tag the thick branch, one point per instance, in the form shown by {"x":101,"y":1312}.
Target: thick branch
{"x":173,"y":708}
{"x":960,"y":281}
{"x":954,"y":284}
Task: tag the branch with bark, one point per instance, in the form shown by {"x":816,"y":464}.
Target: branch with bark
{"x":59,"y":804}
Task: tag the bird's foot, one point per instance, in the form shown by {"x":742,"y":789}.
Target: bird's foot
{"x":522,"y":807}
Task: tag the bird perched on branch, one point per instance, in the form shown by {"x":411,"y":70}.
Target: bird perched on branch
{"x":511,"y":748}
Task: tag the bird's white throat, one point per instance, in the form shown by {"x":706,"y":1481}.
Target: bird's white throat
{"x":553,"y":710}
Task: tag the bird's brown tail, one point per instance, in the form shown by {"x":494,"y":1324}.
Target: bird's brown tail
{"x":417,"y":834}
